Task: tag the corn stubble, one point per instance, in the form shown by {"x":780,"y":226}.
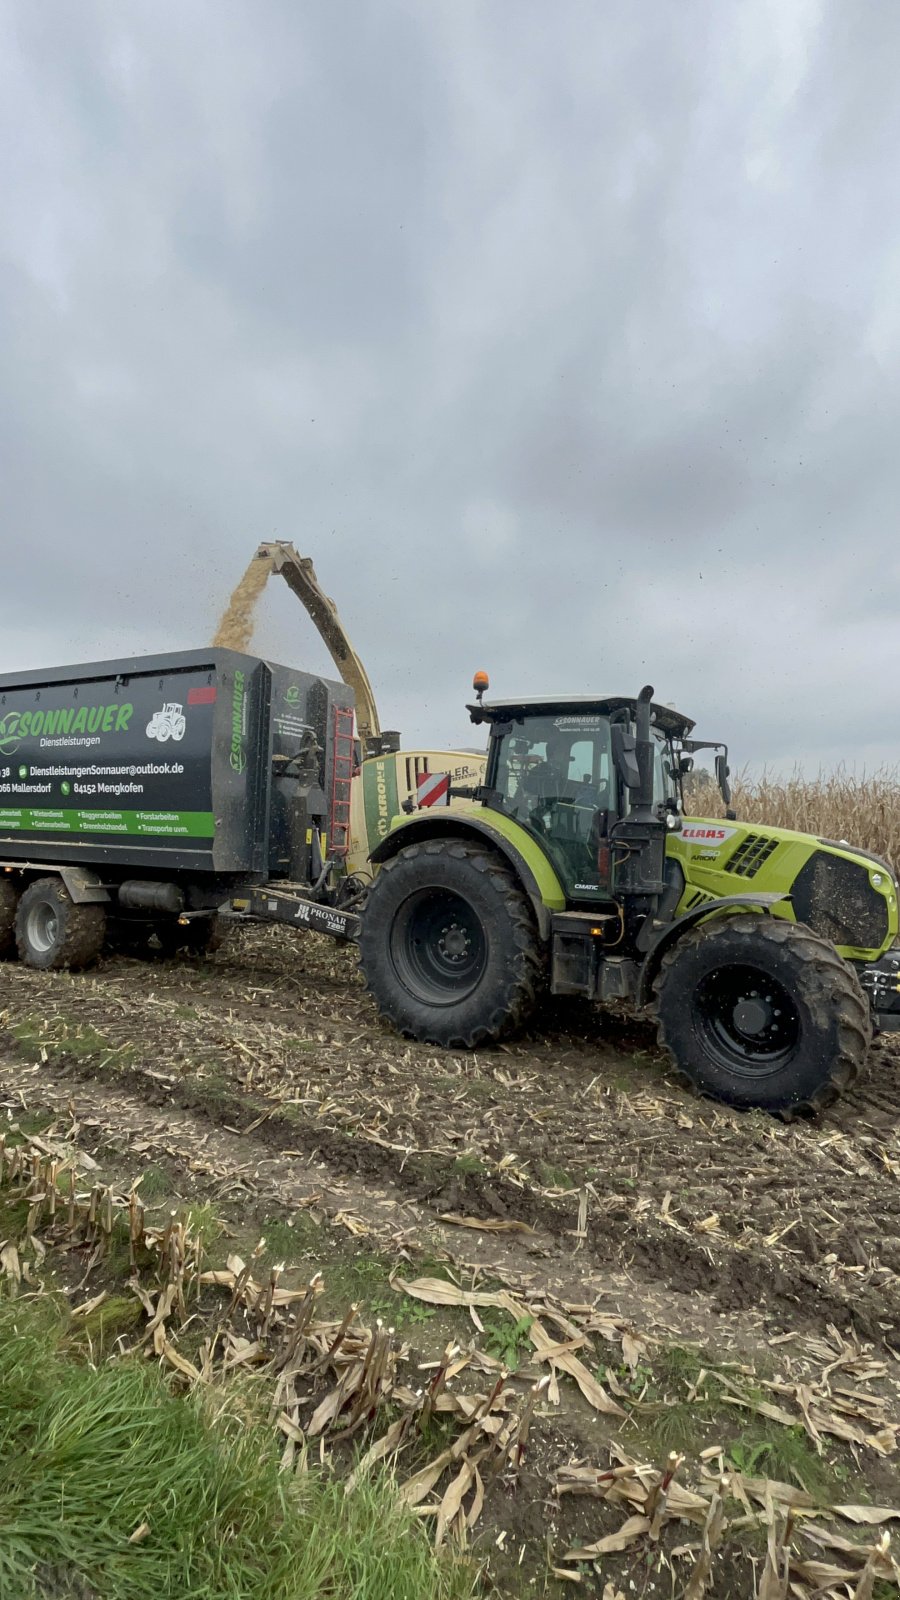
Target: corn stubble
{"x":168,"y":1492}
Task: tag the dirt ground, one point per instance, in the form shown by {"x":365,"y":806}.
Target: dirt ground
{"x":263,"y":1082}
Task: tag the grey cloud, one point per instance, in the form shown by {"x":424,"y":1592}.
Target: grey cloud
{"x":562,"y":337}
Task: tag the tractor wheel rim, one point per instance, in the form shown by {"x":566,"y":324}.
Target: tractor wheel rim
{"x":748,"y":1019}
{"x":43,"y":927}
{"x":438,"y":946}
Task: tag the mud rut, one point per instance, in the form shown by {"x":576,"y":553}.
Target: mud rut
{"x":270,"y":1065}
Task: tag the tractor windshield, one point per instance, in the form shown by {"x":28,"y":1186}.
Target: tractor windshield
{"x":555,"y":775}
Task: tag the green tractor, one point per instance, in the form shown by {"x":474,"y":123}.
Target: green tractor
{"x":765,"y":955}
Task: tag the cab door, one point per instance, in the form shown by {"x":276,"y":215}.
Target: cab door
{"x":555,"y":776}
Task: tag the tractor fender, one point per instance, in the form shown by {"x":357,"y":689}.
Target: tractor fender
{"x":672,"y":932}
{"x":450,"y":827}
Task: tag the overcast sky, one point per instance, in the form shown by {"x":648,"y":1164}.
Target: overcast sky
{"x":564,"y":336}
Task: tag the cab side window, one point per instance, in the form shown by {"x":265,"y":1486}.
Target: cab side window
{"x":581,"y":762}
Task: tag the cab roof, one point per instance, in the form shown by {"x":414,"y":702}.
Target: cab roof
{"x":664,"y":717}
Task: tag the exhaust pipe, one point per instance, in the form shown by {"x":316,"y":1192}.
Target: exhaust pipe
{"x":643,"y":809}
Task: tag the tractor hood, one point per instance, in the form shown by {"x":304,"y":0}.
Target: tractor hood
{"x":847,"y":895}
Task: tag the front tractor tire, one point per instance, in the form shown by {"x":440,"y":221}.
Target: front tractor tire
{"x":448,"y":945}
{"x":53,"y":932}
{"x":756,"y":1011}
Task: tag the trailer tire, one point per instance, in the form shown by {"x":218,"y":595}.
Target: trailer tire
{"x":758,"y":1011}
{"x":9,"y":903}
{"x":448,"y":946}
{"x":52,"y":932}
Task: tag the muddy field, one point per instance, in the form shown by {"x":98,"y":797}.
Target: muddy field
{"x":261,"y":1081}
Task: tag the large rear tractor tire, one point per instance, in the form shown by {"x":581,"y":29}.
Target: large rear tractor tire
{"x":52,"y":932}
{"x":448,"y":945}
{"x":757,"y":1011}
{"x":9,"y":905}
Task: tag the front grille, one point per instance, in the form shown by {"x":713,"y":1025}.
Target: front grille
{"x":751,"y":854}
{"x":835,"y":898}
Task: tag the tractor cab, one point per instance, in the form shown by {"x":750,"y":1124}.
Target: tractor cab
{"x":567,"y":770}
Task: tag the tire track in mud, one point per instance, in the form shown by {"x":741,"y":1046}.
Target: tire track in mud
{"x":733,"y":1281}
{"x":142,"y":1117}
{"x":802,"y":1220}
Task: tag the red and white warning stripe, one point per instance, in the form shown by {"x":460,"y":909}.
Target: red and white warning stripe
{"x":433,"y":789}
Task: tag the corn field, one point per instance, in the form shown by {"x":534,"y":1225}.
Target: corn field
{"x":862,"y":808}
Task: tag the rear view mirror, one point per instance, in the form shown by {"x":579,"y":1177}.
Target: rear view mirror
{"x":624,"y":752}
{"x":685,"y":765}
{"x":722,"y":772}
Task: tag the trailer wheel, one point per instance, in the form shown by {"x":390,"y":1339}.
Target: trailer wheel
{"x":53,"y":932}
{"x":9,"y":903}
{"x":448,"y":947}
{"x":757,"y":1011}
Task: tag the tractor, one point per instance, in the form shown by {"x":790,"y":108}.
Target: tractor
{"x":764,"y":955}
{"x":169,"y":723}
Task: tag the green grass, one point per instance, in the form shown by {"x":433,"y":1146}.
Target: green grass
{"x":205,"y":1224}
{"x":217,"y":1090}
{"x":28,"y":1034}
{"x":70,"y":1038}
{"x":552,"y":1177}
{"x":96,"y":1333}
{"x":506,"y":1339}
{"x":27,"y":1122}
{"x":89,"y":1455}
{"x":400,"y":1312}
{"x":155,"y":1184}
{"x":362,"y":1277}
{"x":85,"y":1042}
{"x":476,"y":1087}
{"x":14,"y":1211}
{"x":752,"y":1444}
{"x":469,"y":1165}
{"x":768,"y":1450}
{"x":288,"y":1240}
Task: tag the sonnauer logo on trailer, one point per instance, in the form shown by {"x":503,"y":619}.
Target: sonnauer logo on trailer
{"x":18,"y":725}
{"x":238,"y":757}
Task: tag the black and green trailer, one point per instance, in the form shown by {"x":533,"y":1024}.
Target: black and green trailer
{"x":138,"y":796}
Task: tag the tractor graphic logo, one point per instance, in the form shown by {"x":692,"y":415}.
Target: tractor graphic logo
{"x":169,"y":723}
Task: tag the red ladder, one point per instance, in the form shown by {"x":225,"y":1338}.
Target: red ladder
{"x":341,"y":776}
